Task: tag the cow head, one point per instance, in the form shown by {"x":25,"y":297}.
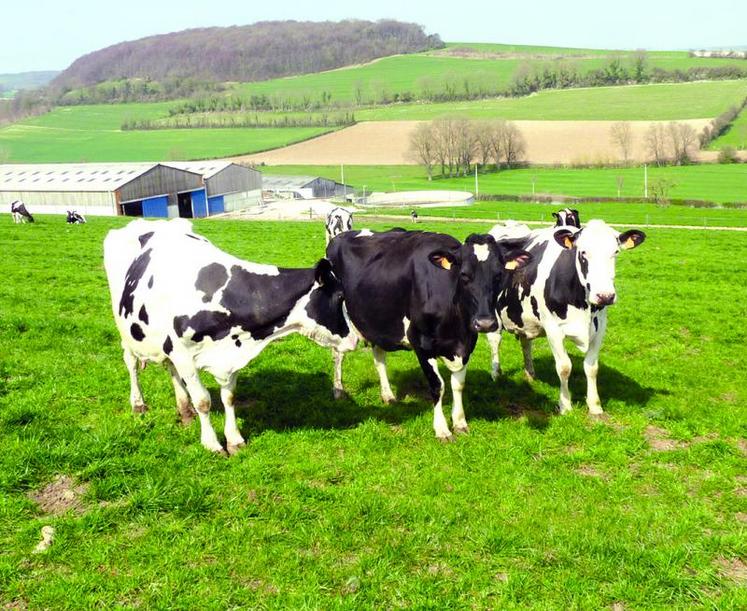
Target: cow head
{"x":326,"y":308}
{"x":480,"y":265}
{"x":597,"y":246}
{"x":567,"y":217}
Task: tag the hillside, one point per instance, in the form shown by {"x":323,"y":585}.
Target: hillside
{"x":26,"y":80}
{"x":248,"y":53}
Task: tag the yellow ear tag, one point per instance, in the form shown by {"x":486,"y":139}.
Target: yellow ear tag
{"x":444,"y":262}
{"x":568,"y":242}
{"x":629,"y":243}
{"x":511,"y":265}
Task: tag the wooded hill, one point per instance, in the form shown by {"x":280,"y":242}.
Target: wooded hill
{"x":254,"y":52}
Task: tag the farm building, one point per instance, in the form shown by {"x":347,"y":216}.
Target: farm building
{"x":303,"y":187}
{"x":131,"y":189}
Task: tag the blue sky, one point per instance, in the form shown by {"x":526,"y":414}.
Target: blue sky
{"x":50,"y":34}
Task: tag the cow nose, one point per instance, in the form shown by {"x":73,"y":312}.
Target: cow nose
{"x":605,"y":299}
{"x":486,"y":324}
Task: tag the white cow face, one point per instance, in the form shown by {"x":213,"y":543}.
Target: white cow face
{"x":597,"y":246}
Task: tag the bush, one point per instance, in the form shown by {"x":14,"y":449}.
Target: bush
{"x":728,"y":154}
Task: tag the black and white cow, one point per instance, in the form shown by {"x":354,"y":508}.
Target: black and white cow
{"x":567,"y":217}
{"x":338,"y":220}
{"x":426,"y":292}
{"x":75,"y":218}
{"x":179,"y":300}
{"x":19,"y":212}
{"x":564,"y":293}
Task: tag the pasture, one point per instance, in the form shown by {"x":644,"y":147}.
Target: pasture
{"x":353,"y":504}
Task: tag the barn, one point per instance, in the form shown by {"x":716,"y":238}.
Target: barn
{"x":303,"y":187}
{"x":167,"y":190}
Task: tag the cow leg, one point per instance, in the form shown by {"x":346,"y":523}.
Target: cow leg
{"x":494,"y":341}
{"x":234,"y":440}
{"x":458,"y":375}
{"x":436,"y":385}
{"x":136,"y":395}
{"x":200,"y":399}
{"x":562,"y":367}
{"x":183,"y":406}
{"x":387,"y":396}
{"x":338,"y":391}
{"x":591,"y":368}
{"x":526,"y":350}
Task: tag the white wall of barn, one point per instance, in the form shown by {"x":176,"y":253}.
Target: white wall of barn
{"x":241,"y":201}
{"x":94,"y":203}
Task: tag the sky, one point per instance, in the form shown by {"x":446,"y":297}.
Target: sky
{"x":51,"y":34}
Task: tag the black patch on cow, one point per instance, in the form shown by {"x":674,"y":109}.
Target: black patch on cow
{"x":194,"y":237}
{"x":168,"y":346}
{"x":132,"y":278}
{"x":209,"y":279}
{"x":150,"y":282}
{"x":596,"y":324}
{"x":584,"y":265}
{"x":535,"y":306}
{"x":238,"y":343}
{"x":137,"y":332}
{"x":144,"y":238}
{"x":143,"y":314}
{"x":257,"y":303}
{"x":517,"y":287}
{"x":563,"y":287}
{"x":235,"y":336}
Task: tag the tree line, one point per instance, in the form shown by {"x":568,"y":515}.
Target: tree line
{"x":456,"y":144}
{"x":239,"y":121}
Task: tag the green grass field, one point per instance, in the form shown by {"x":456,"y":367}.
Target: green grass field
{"x":92,"y":133}
{"x":736,"y":136}
{"x":353,"y":504}
{"x":717,"y":183}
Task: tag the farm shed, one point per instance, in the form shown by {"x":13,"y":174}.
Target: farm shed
{"x":303,"y":187}
{"x":228,"y":186}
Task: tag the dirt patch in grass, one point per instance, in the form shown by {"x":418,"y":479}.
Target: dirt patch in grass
{"x":733,"y":568}
{"x":660,"y":441}
{"x":60,"y":496}
{"x":589,"y":471}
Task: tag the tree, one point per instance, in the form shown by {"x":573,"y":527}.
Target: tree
{"x":423,"y":147}
{"x":513,"y":145}
{"x":622,"y":137}
{"x":655,"y":143}
{"x":681,"y":137}
{"x":660,"y":190}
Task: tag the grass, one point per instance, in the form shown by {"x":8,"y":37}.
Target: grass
{"x":354,"y":504}
{"x":717,"y":183}
{"x":92,"y":133}
{"x":735,"y":136}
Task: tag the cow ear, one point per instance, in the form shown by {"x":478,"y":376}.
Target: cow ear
{"x":565,"y":237}
{"x":323,"y":273}
{"x":556,"y":215}
{"x":516,"y":259}
{"x":631,"y":239}
{"x":442,"y":259}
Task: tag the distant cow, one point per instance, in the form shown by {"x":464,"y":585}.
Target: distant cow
{"x":74,"y":218}
{"x":564,"y":293}
{"x":426,"y":292}
{"x":567,"y":217}
{"x":414,"y":216}
{"x":19,"y":212}
{"x":179,"y":300}
{"x":338,"y":220}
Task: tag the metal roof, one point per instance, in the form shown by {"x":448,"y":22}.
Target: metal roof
{"x":282,"y":182}
{"x":70,"y":176}
{"x":207,"y":168}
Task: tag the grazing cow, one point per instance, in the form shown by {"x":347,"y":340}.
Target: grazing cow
{"x":338,"y":220}
{"x":74,"y":218}
{"x":414,"y":216}
{"x":19,"y":212}
{"x":564,"y":293}
{"x":179,"y":300}
{"x":426,"y":292}
{"x":567,"y":217}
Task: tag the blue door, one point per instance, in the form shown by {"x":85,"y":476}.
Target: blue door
{"x":215,"y":204}
{"x":156,"y":206}
{"x":199,"y":204}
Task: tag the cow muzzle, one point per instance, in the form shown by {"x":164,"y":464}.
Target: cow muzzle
{"x":485,"y":324}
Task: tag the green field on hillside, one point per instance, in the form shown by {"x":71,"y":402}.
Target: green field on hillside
{"x":736,"y":135}
{"x":92,"y":133}
{"x":717,"y":183}
{"x":353,"y":504}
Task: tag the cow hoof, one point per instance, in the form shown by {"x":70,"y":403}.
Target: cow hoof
{"x":233,"y":448}
{"x":141,"y":408}
{"x":598,"y":415}
{"x":529,"y":376}
{"x":339,"y":393}
{"x":564,"y":410}
{"x":446,"y":438}
{"x":461,"y":430}
{"x":186,"y":419}
{"x":496,"y":373}
{"x":388,"y":400}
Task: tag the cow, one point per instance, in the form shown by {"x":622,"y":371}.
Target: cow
{"x":74,"y":218}
{"x":426,"y":292}
{"x":564,"y":293}
{"x":179,"y":300}
{"x":567,"y":217}
{"x":509,"y":230}
{"x":338,"y":220}
{"x":20,"y":213}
